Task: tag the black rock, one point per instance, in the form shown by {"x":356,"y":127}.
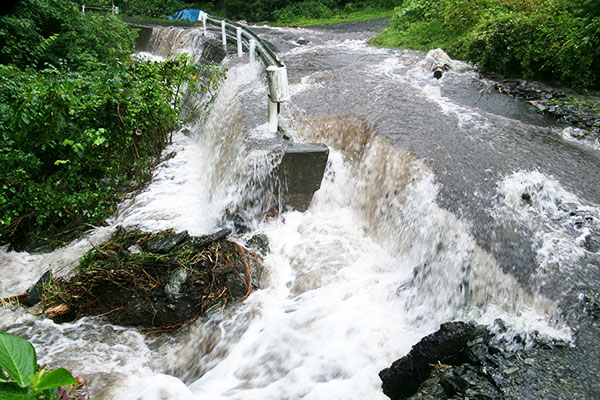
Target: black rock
{"x":453,"y":384}
{"x":165,"y":244}
{"x":242,"y":222}
{"x":403,"y":378}
{"x":260,"y":243}
{"x":206,"y":240}
{"x":35,"y":293}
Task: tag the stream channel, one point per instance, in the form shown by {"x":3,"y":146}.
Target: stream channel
{"x":442,"y":200}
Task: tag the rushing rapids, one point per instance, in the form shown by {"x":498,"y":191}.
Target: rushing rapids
{"x":441,"y":201}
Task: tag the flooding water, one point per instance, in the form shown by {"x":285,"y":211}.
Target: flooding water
{"x":442,"y":200}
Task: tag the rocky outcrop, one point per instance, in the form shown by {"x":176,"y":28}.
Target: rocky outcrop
{"x":569,"y":109}
{"x":466,"y":361}
{"x":447,"y":346}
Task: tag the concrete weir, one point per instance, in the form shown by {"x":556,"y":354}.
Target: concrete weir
{"x":301,"y":172}
{"x":302,"y":165}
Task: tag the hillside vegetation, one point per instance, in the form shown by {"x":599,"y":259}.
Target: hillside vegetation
{"x":296,"y":12}
{"x":552,"y":40}
{"x":81,"y":122}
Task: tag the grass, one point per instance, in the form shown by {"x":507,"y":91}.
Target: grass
{"x":593,"y":106}
{"x":420,"y":36}
{"x":355,"y":16}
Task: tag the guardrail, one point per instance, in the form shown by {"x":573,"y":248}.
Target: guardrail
{"x":276,"y":69}
{"x":114,"y":9}
{"x":243,"y":37}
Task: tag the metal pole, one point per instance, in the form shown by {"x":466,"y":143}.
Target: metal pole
{"x":272,"y":116}
{"x":278,"y":83}
{"x":252,"y":51}
{"x":240,"y":50}
{"x":223,"y":35}
{"x":278,"y":92}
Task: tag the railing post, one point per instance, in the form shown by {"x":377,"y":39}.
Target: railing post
{"x":224,"y":35}
{"x":240,"y":50}
{"x":272,"y":116}
{"x":203,"y":23}
{"x":83,"y":9}
{"x":252,"y":51}
{"x":278,"y":92}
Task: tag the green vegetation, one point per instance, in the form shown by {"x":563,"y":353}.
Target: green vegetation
{"x":21,"y":377}
{"x":299,"y":12}
{"x":80,"y":121}
{"x":592,"y":106}
{"x":553,"y":40}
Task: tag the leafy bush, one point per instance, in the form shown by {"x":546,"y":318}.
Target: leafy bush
{"x":71,"y":141}
{"x":541,"y":46}
{"x":547,"y":39}
{"x":22,"y":378}
{"x":153,"y":8}
{"x":80,"y":122}
{"x":257,"y":10}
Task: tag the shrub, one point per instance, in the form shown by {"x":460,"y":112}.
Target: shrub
{"x":540,"y":46}
{"x":79,"y":121}
{"x":548,"y":39}
{"x":308,"y":9}
{"x":71,"y":141}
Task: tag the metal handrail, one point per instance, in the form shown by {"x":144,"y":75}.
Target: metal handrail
{"x":268,"y":56}
{"x":276,"y":69}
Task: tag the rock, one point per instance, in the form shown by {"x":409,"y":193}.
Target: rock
{"x":134,"y":249}
{"x":447,"y":346}
{"x":242,"y":222}
{"x":56,"y":311}
{"x":260,"y":243}
{"x":453,"y":384}
{"x":35,"y":293}
{"x":176,"y":280}
{"x":206,"y":240}
{"x":165,"y":244}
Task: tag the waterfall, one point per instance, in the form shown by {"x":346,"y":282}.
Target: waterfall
{"x":351,"y":284}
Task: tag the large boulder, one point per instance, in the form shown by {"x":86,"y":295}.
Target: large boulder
{"x":447,"y":346}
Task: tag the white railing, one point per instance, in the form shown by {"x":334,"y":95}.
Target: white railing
{"x":114,"y":9}
{"x":245,"y":38}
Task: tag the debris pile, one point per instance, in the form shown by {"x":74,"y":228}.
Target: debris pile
{"x":156,"y":281}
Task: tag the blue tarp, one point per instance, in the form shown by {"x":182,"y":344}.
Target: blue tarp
{"x":191,"y":14}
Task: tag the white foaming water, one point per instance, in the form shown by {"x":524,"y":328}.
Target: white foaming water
{"x":209,"y":169}
{"x":178,"y":195}
{"x":19,"y":270}
{"x":343,"y":298}
{"x":561,"y":222}
{"x":351,"y":285}
{"x":414,"y":70}
{"x":579,"y":136}
{"x":167,"y":41}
